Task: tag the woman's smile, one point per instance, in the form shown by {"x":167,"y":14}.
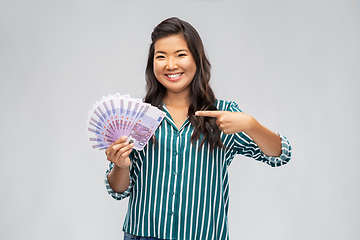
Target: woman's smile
{"x":174,"y":76}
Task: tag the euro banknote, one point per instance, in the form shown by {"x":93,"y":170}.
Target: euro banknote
{"x":120,"y":115}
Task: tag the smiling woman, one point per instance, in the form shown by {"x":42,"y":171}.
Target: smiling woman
{"x":200,"y":97}
{"x":178,"y":185}
{"x":174,"y":66}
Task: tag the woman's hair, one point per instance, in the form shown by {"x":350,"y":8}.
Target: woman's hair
{"x":201,"y":96}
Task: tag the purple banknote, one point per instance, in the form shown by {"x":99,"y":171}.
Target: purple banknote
{"x":116,"y":115}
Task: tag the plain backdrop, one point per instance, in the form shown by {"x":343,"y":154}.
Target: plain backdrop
{"x":293,"y":65}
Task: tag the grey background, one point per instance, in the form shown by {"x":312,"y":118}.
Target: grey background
{"x":293,"y":65}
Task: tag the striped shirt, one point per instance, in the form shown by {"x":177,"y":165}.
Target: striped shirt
{"x":178,"y":192}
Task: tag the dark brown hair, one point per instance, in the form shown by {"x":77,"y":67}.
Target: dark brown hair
{"x":201,"y":96}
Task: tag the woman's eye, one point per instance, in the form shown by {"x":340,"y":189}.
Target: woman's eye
{"x":182,"y":55}
{"x":158,"y":57}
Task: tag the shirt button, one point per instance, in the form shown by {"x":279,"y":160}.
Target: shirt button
{"x":173,"y":193}
{"x":175,"y":153}
{"x":171,"y":212}
{"x":174,"y":173}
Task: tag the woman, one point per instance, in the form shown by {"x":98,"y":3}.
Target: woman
{"x":178,"y":184}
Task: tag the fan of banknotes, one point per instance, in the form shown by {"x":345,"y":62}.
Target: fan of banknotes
{"x":116,"y":115}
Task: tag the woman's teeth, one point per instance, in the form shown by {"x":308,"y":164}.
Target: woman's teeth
{"x":174,"y":75}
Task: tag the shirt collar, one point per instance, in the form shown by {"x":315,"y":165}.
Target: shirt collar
{"x":171,"y":121}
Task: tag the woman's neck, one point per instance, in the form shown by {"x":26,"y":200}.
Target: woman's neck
{"x":178,"y":107}
{"x":177,"y":99}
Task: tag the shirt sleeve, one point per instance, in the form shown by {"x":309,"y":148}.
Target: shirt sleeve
{"x":244,"y":145}
{"x":133,"y":171}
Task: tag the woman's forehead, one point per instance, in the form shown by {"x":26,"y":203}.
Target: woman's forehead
{"x":171,"y":43}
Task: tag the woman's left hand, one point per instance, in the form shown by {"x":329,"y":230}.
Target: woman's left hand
{"x":229,"y":122}
{"x":235,"y":122}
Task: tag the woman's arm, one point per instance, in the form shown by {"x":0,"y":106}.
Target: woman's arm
{"x":268,"y":141}
{"x":235,"y":122}
{"x":118,"y":153}
{"x":119,"y":179}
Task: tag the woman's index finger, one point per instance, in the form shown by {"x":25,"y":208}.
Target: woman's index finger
{"x":215,"y":113}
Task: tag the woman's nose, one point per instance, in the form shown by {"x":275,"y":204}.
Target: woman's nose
{"x":171,"y":64}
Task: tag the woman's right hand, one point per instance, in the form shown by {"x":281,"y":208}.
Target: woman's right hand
{"x":118,"y":152}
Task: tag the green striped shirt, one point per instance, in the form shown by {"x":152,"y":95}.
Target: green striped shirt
{"x":178,"y":192}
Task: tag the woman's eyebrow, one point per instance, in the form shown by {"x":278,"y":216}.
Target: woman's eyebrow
{"x":180,"y":50}
{"x":160,"y":52}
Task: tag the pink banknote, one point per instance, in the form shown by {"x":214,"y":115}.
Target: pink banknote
{"x":115,"y":116}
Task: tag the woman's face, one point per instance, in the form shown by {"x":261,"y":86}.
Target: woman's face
{"x":174,"y":66}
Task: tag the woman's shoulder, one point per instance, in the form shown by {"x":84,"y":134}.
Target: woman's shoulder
{"x":223,"y":105}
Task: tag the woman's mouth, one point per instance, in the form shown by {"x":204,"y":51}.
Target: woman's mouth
{"x":174,"y":76}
